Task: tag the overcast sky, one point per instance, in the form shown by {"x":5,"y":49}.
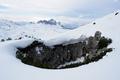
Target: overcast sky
{"x":68,"y":8}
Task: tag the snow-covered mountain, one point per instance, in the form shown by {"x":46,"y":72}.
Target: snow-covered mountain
{"x":15,"y":30}
{"x":107,"y":68}
{"x":74,"y":23}
{"x":106,"y":25}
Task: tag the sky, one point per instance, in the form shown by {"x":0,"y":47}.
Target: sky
{"x":58,"y":8}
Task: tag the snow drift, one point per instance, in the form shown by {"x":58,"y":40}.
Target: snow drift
{"x":108,"y":68}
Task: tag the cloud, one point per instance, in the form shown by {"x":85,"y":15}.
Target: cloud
{"x":70,"y":8}
{"x":3,"y":6}
{"x":116,"y":0}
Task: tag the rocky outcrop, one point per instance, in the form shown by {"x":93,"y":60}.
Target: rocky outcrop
{"x":90,"y":49}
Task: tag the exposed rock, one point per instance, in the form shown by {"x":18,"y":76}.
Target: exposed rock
{"x":94,"y":23}
{"x":40,"y":55}
{"x":51,"y":22}
{"x":2,"y":40}
{"x":116,"y":13}
{"x":97,"y":35}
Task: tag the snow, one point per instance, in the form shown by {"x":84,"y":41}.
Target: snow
{"x":72,"y":62}
{"x":20,"y":29}
{"x":38,"y":50}
{"x":64,"y":40}
{"x":89,"y":30}
{"x":72,"y":23}
{"x":105,"y":69}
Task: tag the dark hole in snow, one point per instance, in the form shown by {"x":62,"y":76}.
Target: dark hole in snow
{"x":62,"y":56}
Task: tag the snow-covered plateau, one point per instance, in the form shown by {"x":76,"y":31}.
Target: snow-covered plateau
{"x":12,"y":68}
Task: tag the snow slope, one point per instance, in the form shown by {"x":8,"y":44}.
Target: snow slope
{"x":15,"y":30}
{"x":105,"y":69}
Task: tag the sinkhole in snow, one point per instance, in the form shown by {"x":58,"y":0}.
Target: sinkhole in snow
{"x":69,"y":54}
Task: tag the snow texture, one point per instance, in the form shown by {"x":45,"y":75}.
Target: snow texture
{"x":106,"y":69}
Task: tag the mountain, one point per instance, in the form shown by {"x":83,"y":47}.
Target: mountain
{"x":72,"y":23}
{"x":107,"y":68}
{"x":66,"y":24}
{"x":15,"y":30}
{"x":107,"y":25}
